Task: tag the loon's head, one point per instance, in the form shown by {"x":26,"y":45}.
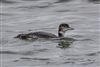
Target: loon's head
{"x":63,"y":28}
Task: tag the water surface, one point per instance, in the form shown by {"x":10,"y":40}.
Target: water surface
{"x":23,"y":16}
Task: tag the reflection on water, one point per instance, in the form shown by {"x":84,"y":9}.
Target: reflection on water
{"x":64,"y":44}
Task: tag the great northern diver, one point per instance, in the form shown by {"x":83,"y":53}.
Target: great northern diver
{"x":61,"y":31}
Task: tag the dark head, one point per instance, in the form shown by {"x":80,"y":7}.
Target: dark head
{"x":63,"y":28}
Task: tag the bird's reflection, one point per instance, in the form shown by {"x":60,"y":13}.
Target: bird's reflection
{"x":65,"y":42}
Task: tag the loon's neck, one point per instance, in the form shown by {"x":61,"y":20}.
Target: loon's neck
{"x":61,"y":34}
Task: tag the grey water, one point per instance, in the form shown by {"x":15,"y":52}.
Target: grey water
{"x":23,"y":16}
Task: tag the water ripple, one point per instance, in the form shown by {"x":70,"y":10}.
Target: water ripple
{"x":95,"y":1}
{"x":19,"y":53}
{"x":35,"y":58}
{"x":5,"y":14}
{"x":7,"y":1}
{"x":62,"y":1}
{"x":8,"y":52}
{"x":29,"y":0}
{"x":93,"y":54}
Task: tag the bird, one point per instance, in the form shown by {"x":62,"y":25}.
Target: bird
{"x":63,"y":27}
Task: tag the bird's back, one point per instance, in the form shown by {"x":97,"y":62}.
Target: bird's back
{"x":42,"y":35}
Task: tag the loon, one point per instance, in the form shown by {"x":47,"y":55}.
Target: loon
{"x":61,"y":31}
